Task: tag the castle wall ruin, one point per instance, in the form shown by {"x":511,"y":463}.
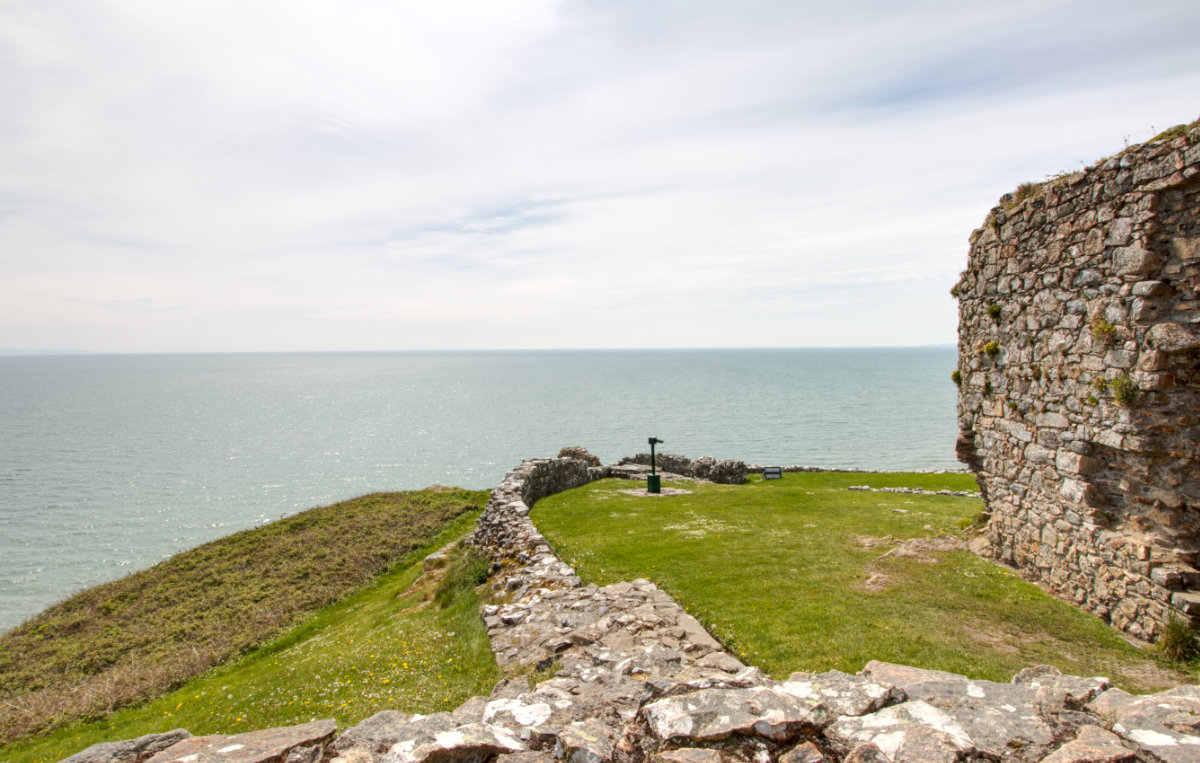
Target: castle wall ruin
{"x":1079,"y":375}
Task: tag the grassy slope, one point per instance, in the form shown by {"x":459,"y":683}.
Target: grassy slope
{"x":384,"y":647}
{"x":120,"y":643}
{"x":774,"y":570}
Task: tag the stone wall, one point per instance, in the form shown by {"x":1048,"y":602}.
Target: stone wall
{"x":1079,"y":374}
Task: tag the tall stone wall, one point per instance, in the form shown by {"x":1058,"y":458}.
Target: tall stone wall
{"x":1079,"y":374}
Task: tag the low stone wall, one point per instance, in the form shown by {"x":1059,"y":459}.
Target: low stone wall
{"x":636,"y":678}
{"x":725,"y":472}
{"x":1079,"y":374}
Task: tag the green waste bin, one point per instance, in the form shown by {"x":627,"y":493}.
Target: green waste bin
{"x":653,"y":483}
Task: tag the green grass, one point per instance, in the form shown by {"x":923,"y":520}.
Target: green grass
{"x":389,"y":646}
{"x":774,"y":569}
{"x":125,"y":642}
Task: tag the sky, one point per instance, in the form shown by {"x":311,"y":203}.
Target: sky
{"x":292,"y":175}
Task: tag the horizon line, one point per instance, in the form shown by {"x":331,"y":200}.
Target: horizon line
{"x":94,"y":353}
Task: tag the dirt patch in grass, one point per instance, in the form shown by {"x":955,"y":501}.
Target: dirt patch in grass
{"x":664,"y":492}
{"x":923,"y":549}
{"x":988,"y":636}
{"x":876,"y":582}
{"x":870,"y":541}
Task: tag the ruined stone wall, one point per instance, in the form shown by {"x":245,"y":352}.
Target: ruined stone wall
{"x":1079,"y":374}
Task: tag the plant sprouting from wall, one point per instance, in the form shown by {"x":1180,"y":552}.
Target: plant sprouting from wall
{"x":1125,"y":392}
{"x":1102,"y":330}
{"x":956,"y":377}
{"x":993,"y":312}
{"x":992,"y":349}
{"x":1027,"y":191}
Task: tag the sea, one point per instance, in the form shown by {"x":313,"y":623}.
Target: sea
{"x":111,"y":463}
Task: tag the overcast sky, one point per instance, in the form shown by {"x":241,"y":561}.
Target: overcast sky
{"x":250,"y":175}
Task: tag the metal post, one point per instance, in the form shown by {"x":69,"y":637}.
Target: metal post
{"x":653,"y":480}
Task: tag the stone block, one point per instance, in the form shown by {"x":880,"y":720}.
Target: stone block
{"x":1074,"y":463}
{"x":1186,"y":249}
{"x":1187,"y":602}
{"x":1134,"y":261}
{"x":1150,"y":289}
{"x":1119,"y":232}
{"x":1053,"y":420}
{"x":1174,"y":337}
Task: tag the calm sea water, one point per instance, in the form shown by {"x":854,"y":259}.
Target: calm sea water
{"x":109,"y":464}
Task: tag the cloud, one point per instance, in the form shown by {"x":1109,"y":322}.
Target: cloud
{"x":365,"y":175}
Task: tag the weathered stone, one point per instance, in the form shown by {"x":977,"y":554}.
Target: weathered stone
{"x":470,"y":711}
{"x":1173,"y":337}
{"x":473,"y":743}
{"x":586,"y":741}
{"x":129,"y":750}
{"x":266,"y":746}
{"x":690,"y":755}
{"x":728,"y":472}
{"x":1028,"y":714}
{"x":911,"y":732}
{"x":805,"y":752}
{"x":721,"y":661}
{"x":702,"y":467}
{"x":309,"y":754}
{"x":1093,"y":745}
{"x":903,"y":676}
{"x":866,"y":753}
{"x":578,"y":453}
{"x":1076,"y":692}
{"x":531,"y":756}
{"x":843,"y":694}
{"x":714,"y":714}
{"x":379,"y":732}
{"x":1167,"y":724}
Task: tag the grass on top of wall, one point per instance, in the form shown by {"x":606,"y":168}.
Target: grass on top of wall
{"x":121,"y":643}
{"x":390,"y":646}
{"x":785,"y":573}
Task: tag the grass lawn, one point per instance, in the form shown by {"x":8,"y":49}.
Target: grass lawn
{"x":782,"y":571}
{"x":387,"y":647}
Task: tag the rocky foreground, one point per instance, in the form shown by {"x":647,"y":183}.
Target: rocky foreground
{"x":636,"y":678}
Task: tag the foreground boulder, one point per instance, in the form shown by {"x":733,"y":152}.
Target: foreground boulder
{"x":294,"y":744}
{"x":129,"y":750}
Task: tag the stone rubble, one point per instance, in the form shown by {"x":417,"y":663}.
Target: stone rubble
{"x":623,"y":673}
{"x":914,"y":491}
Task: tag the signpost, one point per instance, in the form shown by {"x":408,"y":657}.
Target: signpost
{"x":653,"y":479}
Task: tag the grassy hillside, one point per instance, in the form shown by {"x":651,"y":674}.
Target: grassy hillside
{"x":409,"y":641}
{"x":795,"y":574}
{"x":123,"y":642}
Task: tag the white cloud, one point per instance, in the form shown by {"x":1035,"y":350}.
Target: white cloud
{"x":362,"y":175}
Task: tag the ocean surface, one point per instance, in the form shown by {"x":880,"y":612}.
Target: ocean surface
{"x":110,"y":463}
